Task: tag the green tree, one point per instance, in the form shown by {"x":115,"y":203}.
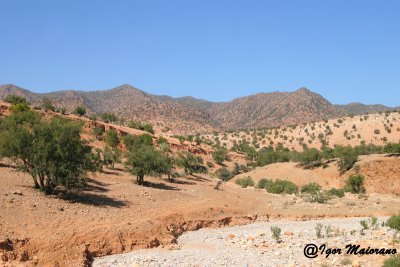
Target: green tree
{"x":112,"y":138}
{"x":220,"y":155}
{"x":111,"y":156}
{"x":109,"y":117}
{"x":347,"y":158}
{"x":15,"y":99}
{"x":132,"y":142}
{"x":145,"y":160}
{"x":50,"y":151}
{"x":81,"y":111}
{"x":191,"y":163}
{"x":355,"y":184}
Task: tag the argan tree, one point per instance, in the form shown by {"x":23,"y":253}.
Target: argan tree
{"x":146,"y":160}
{"x":191,"y":163}
{"x":50,"y":151}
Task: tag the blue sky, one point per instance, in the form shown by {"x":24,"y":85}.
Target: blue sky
{"x":212,"y":49}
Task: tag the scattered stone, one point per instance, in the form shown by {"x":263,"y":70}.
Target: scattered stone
{"x":17,"y":192}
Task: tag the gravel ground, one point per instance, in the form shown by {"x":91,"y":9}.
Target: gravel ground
{"x":253,"y":245}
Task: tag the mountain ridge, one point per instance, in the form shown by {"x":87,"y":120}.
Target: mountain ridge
{"x":188,"y":114}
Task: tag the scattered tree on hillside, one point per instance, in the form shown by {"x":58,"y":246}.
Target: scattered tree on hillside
{"x":191,"y":163}
{"x":81,"y":111}
{"x":112,"y":138}
{"x":146,"y":160}
{"x":50,"y":151}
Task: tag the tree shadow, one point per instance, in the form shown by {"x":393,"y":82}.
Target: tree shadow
{"x":194,"y":177}
{"x":176,"y":181}
{"x":91,"y":199}
{"x":160,"y":186}
{"x":110,"y":173}
{"x":95,"y":186}
{"x":5,"y":165}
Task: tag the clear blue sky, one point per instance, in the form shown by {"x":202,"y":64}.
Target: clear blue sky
{"x":212,"y":49}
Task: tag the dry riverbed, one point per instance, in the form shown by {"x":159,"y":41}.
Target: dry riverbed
{"x":254,"y":245}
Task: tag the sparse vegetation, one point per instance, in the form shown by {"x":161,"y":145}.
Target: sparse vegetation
{"x":355,"y":184}
{"x":245,"y":182}
{"x":276,"y":233}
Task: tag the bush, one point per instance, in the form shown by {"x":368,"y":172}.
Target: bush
{"x":282,"y":187}
{"x":392,"y":148}
{"x":50,"y":151}
{"x":264,"y":183}
{"x":81,"y":111}
{"x":191,"y":163}
{"x":393,"y":261}
{"x":141,"y":126}
{"x":311,"y":158}
{"x":20,"y":107}
{"x":14,"y":99}
{"x":111,"y":156}
{"x":355,"y":184}
{"x":220,"y":155}
{"x":318,"y":197}
{"x":112,"y":138}
{"x":245,"y":182}
{"x":347,"y":158}
{"x":394,"y":223}
{"x":336,"y":192}
{"x":268,"y":156}
{"x":224,"y":174}
{"x":109,"y":117}
{"x":98,"y":132}
{"x":311,"y":188}
{"x":135,"y":141}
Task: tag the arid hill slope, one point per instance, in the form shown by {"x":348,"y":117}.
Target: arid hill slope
{"x":186,"y":115}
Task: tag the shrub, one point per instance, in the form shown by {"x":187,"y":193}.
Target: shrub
{"x":318,"y":197}
{"x":310,"y":158}
{"x":245,"y":182}
{"x":20,"y":107}
{"x":15,"y":99}
{"x":377,"y":131}
{"x":394,"y":223}
{"x":109,"y":117}
{"x":336,"y":192}
{"x":111,"y":156}
{"x":393,"y":261}
{"x":282,"y":187}
{"x":141,"y":126}
{"x":220,"y":155}
{"x":132,"y":142}
{"x":81,"y":111}
{"x":355,"y":184}
{"x":98,"y":132}
{"x":224,"y":174}
{"x":191,"y":163}
{"x":392,"y":148}
{"x":276,"y":233}
{"x":347,"y":159}
{"x":50,"y":151}
{"x":311,"y":188}
{"x":264,"y":183}
{"x":112,"y":138}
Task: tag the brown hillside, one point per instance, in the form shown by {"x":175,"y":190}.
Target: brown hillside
{"x":190,"y":115}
